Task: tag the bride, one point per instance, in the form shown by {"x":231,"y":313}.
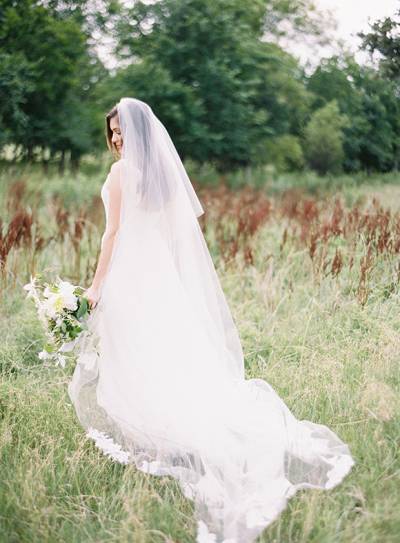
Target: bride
{"x":166,"y":389}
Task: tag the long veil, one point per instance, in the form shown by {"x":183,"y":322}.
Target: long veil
{"x":155,"y":185}
{"x":168,"y":391}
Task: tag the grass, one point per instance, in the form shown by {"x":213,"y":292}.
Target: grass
{"x":333,"y":360}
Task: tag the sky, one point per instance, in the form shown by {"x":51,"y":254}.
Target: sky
{"x":352,"y":16}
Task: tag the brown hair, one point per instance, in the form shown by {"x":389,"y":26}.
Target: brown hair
{"x":112,"y":113}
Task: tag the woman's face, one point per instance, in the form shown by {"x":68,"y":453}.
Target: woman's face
{"x":116,"y":137}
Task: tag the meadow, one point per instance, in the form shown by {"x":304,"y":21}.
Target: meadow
{"x":311,"y":270}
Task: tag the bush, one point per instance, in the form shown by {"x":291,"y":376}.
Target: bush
{"x":285,"y":153}
{"x":323,"y":139}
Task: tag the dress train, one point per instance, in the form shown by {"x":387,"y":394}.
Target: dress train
{"x":160,"y":395}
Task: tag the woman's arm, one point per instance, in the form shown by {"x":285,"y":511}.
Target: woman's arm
{"x":112,"y":226}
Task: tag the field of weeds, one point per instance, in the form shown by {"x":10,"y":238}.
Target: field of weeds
{"x":313,"y":281}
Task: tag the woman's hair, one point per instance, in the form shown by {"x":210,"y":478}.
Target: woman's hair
{"x":112,"y":113}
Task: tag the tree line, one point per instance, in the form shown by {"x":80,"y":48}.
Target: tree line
{"x":213,"y":73}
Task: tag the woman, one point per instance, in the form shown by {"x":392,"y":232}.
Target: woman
{"x":167,"y":389}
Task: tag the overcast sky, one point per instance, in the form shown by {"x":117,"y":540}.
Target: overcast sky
{"x":352,"y":16}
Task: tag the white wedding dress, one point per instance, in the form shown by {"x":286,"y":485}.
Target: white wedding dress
{"x":167,"y":391}
{"x":159,"y":390}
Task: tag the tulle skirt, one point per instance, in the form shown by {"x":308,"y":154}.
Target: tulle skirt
{"x":160,"y":395}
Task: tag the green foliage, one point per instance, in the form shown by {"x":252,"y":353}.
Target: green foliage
{"x":332,"y":81}
{"x":15,"y":86}
{"x":50,"y":48}
{"x":323,"y":139}
{"x":52,"y":53}
{"x":282,"y":92}
{"x":384,"y":39}
{"x":229,"y":96}
{"x":238,"y":90}
{"x":286,"y":153}
{"x":293,"y":17}
{"x":380,"y":148}
{"x":371,"y":139}
{"x":83,"y":308}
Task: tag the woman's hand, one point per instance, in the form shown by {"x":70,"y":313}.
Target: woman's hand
{"x":92,"y":294}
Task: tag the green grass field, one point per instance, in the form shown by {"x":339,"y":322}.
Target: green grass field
{"x":328,"y":341}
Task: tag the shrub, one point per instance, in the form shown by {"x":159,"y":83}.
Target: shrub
{"x":323,"y":139}
{"x":285,"y":153}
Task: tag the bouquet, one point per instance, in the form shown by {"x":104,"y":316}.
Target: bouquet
{"x":64,"y":312}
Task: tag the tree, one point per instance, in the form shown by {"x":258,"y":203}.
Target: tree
{"x":334,"y":79}
{"x":15,"y":86}
{"x":51,"y":49}
{"x":380,"y":145}
{"x":238,"y":90}
{"x":285,"y":153}
{"x":323,"y":139}
{"x":370,"y":101}
{"x":384,"y":39}
{"x":48,"y":60}
{"x":211,"y":49}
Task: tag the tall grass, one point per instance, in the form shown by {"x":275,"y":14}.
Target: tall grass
{"x":313,"y":284}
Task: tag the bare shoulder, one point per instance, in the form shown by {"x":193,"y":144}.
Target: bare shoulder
{"x":116,"y":167}
{"x":115,"y":172}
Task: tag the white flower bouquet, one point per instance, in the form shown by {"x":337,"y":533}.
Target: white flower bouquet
{"x":63,"y":311}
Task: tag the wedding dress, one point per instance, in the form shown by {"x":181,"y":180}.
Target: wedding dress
{"x":166,"y":390}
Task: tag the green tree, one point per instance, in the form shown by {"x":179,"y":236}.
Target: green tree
{"x":334,"y":79}
{"x":285,"y":153}
{"x":194,"y":43}
{"x":237,"y":90}
{"x":384,"y":39}
{"x":370,"y":101}
{"x":15,"y":86}
{"x":57,"y":72}
{"x":50,"y":48}
{"x":380,"y":145}
{"x":323,"y":139}
{"x":282,"y":92}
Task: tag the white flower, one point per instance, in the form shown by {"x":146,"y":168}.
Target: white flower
{"x":44,"y":355}
{"x":63,"y":297}
{"x":70,"y":303}
{"x":52,"y":306}
{"x":108,"y":446}
{"x":66,"y":290}
{"x":65,"y":287}
{"x":59,"y":321}
{"x":31,"y":288}
{"x":48,"y":292}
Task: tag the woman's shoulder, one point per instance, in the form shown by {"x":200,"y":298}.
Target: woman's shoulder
{"x":123,"y":168}
{"x":114,"y":174}
{"x":116,"y":166}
